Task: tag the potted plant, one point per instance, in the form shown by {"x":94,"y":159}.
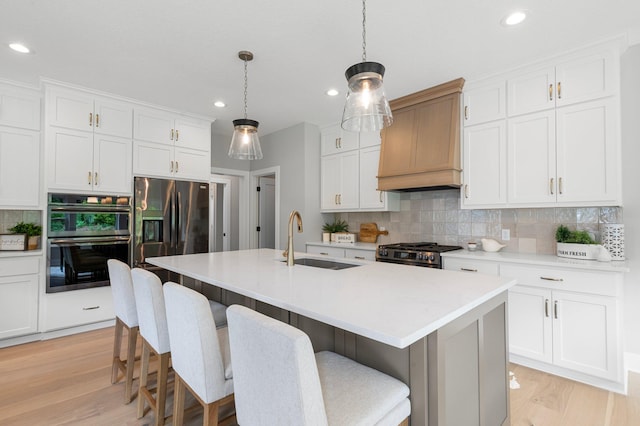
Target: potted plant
{"x":576,"y":244}
{"x":337,"y":226}
{"x":32,"y":230}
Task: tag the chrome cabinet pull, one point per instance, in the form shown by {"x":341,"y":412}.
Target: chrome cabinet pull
{"x":335,"y":199}
{"x":559,"y":91}
{"x":560,"y":186}
{"x":97,"y":120}
{"x":339,"y":140}
{"x":90,"y":119}
{"x":89,"y":178}
{"x":546,"y":308}
{"x":466,"y":112}
{"x":551,"y":279}
{"x":551,"y":186}
{"x":90,"y":308}
{"x":468,"y":270}
{"x":551,"y":92}
{"x":555,"y":309}
{"x":380,"y":196}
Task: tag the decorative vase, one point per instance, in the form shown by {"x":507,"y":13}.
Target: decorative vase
{"x":326,"y":237}
{"x":34,"y":243}
{"x":491,"y":245}
{"x":613,"y":240}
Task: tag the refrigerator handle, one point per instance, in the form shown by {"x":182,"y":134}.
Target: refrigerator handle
{"x":178,"y":224}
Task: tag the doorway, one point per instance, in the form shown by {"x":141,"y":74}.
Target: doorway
{"x":267,"y":211}
{"x":220,"y":214}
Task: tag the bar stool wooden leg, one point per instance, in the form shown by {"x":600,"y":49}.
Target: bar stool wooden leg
{"x":161,"y":396}
{"x":131,"y":362}
{"x":117,"y":342}
{"x":144,"y":373}
{"x":178,"y":401}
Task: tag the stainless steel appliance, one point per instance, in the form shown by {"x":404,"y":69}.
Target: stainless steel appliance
{"x":418,"y":254}
{"x":170,"y":218}
{"x":83,"y":232}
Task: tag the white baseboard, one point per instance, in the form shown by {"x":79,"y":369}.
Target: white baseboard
{"x":632,"y":362}
{"x":54,"y":334}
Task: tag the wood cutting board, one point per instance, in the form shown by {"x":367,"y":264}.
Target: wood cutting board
{"x":369,"y":232}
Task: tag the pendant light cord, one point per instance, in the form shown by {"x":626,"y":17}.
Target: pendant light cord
{"x":364,"y":30}
{"x":245,"y":88}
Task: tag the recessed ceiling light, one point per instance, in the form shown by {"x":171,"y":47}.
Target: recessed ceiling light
{"x":219,"y":104}
{"x":332,"y":92}
{"x":514,"y":18}
{"x":19,"y":47}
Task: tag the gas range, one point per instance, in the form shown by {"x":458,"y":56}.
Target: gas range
{"x":419,"y":254}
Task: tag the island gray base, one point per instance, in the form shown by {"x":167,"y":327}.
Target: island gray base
{"x":458,"y":375}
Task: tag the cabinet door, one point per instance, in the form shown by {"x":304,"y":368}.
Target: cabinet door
{"x":19,"y":107}
{"x":531,"y":92}
{"x":112,"y":164}
{"x":530,"y":323}
{"x":70,"y":159}
{"x":19,"y":167}
{"x":587,"y":153}
{"x":349,"y":181}
{"x":18,"y":305}
{"x":113,"y":118}
{"x":152,"y":159}
{"x":153,"y":125}
{"x":368,"y":139}
{"x":584,"y":333}
{"x":532,"y":158}
{"x":192,"y":133}
{"x":192,"y":164}
{"x":329,"y":182}
{"x":485,"y":165}
{"x":399,"y":140}
{"x":586,"y":78}
{"x":334,"y":140}
{"x":484,"y":103}
{"x":437,"y":124}
{"x":70,"y":109}
{"x":339,"y":187}
{"x":370,"y":197}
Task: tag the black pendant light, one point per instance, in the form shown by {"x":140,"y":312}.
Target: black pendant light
{"x":366,"y":108}
{"x":245,"y":144}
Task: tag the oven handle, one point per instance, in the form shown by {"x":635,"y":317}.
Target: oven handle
{"x":90,"y":208}
{"x":95,"y":241}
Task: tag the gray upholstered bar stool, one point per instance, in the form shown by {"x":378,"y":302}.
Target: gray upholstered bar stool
{"x":278,"y":380}
{"x":200,"y":355}
{"x":152,"y":318}
{"x":124,"y":305}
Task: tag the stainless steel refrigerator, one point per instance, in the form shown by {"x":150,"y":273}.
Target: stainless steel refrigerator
{"x":170,"y":218}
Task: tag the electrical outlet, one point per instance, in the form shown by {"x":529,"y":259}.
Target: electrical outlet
{"x":506,"y":234}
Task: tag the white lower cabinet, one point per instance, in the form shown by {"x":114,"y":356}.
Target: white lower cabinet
{"x":18,"y":296}
{"x":347,"y":253}
{"x":77,"y":307}
{"x":466,"y":265}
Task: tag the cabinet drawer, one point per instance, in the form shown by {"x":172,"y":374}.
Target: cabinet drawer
{"x":465,"y":265}
{"x":78,"y":307}
{"x":19,"y":266}
{"x":360,"y":254}
{"x":594,"y":282}
{"x":326,"y":251}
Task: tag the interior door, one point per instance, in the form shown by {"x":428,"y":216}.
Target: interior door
{"x":267,"y":212}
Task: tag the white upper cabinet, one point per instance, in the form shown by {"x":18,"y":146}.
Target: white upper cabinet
{"x":370,"y":196}
{"x":484,"y":102}
{"x":339,"y":185}
{"x":334,"y":140}
{"x":88,"y":138}
{"x":531,"y":92}
{"x":19,"y":147}
{"x":171,"y":145}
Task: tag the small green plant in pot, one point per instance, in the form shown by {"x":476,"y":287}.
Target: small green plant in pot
{"x":333,"y":228}
{"x":575,"y":244}
{"x":32,"y":230}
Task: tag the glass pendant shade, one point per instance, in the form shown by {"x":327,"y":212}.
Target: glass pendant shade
{"x":245,"y":144}
{"x":366,"y":108}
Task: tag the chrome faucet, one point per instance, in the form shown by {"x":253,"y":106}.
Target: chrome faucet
{"x":288,"y":253}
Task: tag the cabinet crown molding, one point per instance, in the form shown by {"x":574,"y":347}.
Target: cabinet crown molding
{"x":444,"y":89}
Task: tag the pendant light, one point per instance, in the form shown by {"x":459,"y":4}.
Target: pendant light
{"x":245,"y":144}
{"x":367,"y":108}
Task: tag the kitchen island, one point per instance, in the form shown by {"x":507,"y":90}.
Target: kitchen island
{"x":442,"y":332}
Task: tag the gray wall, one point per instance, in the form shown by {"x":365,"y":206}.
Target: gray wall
{"x":297,"y":151}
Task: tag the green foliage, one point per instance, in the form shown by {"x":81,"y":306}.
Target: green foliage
{"x":564,"y":235}
{"x":31,"y":229}
{"x":336,"y":226}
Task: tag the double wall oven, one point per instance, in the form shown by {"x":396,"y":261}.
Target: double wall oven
{"x":84,"y":231}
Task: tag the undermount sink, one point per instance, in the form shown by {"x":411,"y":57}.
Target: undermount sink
{"x":324,"y":264}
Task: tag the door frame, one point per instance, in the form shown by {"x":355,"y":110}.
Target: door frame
{"x":243,"y":204}
{"x":226,"y":213}
{"x":253,"y":209}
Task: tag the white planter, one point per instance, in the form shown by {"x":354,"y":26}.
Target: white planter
{"x":326,"y":237}
{"x":578,"y":251}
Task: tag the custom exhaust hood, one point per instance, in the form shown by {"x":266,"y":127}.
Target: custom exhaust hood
{"x":421,"y":150}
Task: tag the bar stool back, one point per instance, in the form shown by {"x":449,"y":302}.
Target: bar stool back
{"x":124,"y":305}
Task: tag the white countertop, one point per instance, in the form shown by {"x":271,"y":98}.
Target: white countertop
{"x":393,"y":304}
{"x":356,"y":245}
{"x":539,"y":259}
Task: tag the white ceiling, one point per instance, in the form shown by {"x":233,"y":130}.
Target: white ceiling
{"x":183,"y":53}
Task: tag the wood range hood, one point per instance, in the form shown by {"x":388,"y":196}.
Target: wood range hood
{"x":421,"y":149}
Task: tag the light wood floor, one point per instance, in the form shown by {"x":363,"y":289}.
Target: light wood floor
{"x":66,"y":381}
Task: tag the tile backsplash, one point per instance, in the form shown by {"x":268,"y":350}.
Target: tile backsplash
{"x":436,"y":216}
{"x":8,"y":218}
